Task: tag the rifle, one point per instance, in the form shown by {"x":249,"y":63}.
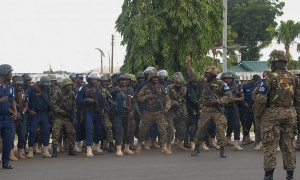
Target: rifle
{"x":210,"y":95}
{"x":38,"y":89}
{"x":157,"y":96}
{"x":97,"y":103}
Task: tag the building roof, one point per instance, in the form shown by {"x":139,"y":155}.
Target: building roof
{"x":252,"y":66}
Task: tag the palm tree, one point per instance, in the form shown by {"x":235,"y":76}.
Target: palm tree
{"x":287,"y":33}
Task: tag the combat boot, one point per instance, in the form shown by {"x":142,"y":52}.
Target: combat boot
{"x":89,"y":152}
{"x":72,"y":152}
{"x":268,"y":175}
{"x":147,"y":145}
{"x":12,"y":156}
{"x":40,"y":147}
{"x":119,"y":150}
{"x":186,"y":144}
{"x":212,"y":142}
{"x":77,"y":147}
{"x":258,"y":146}
{"x":222,"y":152}
{"x":196,"y":150}
{"x":96,"y":148}
{"x":180,"y":146}
{"x":290,"y":175}
{"x":36,"y":150}
{"x":138,"y":148}
{"x":127,"y":150}
{"x":54,"y":152}
{"x":169,"y":147}
{"x":229,"y":142}
{"x":132,"y":146}
{"x":46,"y":153}
{"x":247,"y":139}
{"x":20,"y":154}
{"x":192,"y":146}
{"x":155,"y":145}
{"x":204,"y":147}
{"x":111,"y":147}
{"x":165,"y":149}
{"x":237,"y":146}
{"x":30,"y":152}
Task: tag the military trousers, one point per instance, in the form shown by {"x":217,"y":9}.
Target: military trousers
{"x":58,"y":123}
{"x":108,"y":127}
{"x":208,"y":114}
{"x":146,"y":123}
{"x":175,"y":120}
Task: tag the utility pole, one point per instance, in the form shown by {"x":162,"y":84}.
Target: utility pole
{"x":102,"y":55}
{"x":109,"y":63}
{"x":112,"y":53}
{"x":225,"y":36}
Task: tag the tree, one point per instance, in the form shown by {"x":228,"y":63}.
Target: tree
{"x":162,"y":33}
{"x":251,"y":19}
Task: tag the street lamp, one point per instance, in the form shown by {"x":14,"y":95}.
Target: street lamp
{"x":102,"y":55}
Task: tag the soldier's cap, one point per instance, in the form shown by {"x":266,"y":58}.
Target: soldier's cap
{"x":79,"y":76}
{"x":152,"y":74}
{"x":212,"y":70}
{"x":277,"y":55}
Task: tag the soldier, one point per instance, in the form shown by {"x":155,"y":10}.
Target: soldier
{"x":246,"y":112}
{"x":39,"y":105}
{"x":297,"y":106}
{"x":274,"y":107}
{"x":157,"y":104}
{"x":214,"y":93}
{"x":6,"y":102}
{"x":90,"y":96}
{"x":140,"y":79}
{"x":64,"y":107}
{"x":232,"y":111}
{"x":106,"y":119}
{"x":177,"y":113}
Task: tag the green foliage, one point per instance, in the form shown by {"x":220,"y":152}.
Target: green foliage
{"x":57,"y":72}
{"x":252,"y":21}
{"x":162,"y":33}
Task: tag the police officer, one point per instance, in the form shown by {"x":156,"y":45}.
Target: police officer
{"x":232,"y":111}
{"x":274,"y":107}
{"x":39,"y":107}
{"x":90,"y":96}
{"x":214,"y":93}
{"x":64,"y":107}
{"x":6,"y":102}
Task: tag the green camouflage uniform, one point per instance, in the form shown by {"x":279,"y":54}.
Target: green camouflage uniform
{"x":154,"y":110}
{"x":274,"y":107}
{"x":63,"y":102}
{"x":177,"y":114}
{"x":106,"y":119}
{"x":207,"y":113}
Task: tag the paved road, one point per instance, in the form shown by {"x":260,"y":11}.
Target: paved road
{"x":150,"y":165}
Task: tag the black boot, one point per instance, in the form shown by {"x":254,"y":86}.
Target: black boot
{"x":54,"y":153}
{"x":290,"y":175}
{"x":196,"y":151}
{"x":6,"y":166}
{"x":186,"y":144}
{"x":222,"y":152}
{"x":111,"y":147}
{"x":269,"y":175}
{"x":72,"y":152}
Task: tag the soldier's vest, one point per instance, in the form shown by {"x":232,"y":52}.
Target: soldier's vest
{"x":282,"y":90}
{"x":65,"y":102}
{"x":96,"y":95}
{"x":157,"y":103}
{"x":214,"y":88}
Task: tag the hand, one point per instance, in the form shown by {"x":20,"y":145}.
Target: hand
{"x":151,"y":95}
{"x":64,"y":113}
{"x":39,"y":94}
{"x":233,"y":100}
{"x":130,"y":115}
{"x":177,"y":104}
{"x":166,"y":111}
{"x":246,"y":105}
{"x":4,"y":99}
{"x":14,"y":116}
{"x":187,"y":59}
{"x":32,"y":113}
{"x":74,"y":120}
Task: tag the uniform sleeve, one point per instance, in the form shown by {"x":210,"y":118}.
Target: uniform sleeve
{"x":297,"y":94}
{"x":141,"y":96}
{"x":167,"y":102}
{"x":225,"y":93}
{"x":80,"y":98}
{"x":74,"y":105}
{"x":191,"y":73}
{"x":261,"y":98}
{"x":55,"y":104}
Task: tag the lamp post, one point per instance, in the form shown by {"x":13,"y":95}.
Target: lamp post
{"x":102,"y":55}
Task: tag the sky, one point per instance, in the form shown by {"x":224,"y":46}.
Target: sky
{"x":65,"y":33}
